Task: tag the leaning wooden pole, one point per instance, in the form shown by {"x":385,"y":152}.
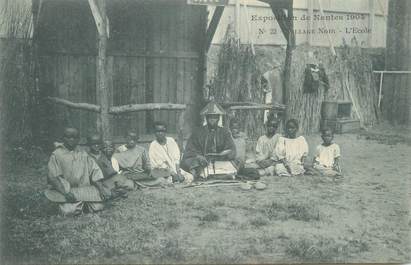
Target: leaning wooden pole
{"x":286,"y":23}
{"x":102,"y":92}
{"x":288,"y":54}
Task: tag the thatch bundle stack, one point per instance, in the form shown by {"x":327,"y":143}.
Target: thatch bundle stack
{"x":237,"y":78}
{"x":351,"y":72}
{"x":16,"y":71}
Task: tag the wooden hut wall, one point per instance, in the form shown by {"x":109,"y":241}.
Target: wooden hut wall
{"x":154,"y":54}
{"x":67,"y":59}
{"x":396,"y":103}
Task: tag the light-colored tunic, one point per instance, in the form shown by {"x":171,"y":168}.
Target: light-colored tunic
{"x":266,"y":147}
{"x":74,"y":168}
{"x":241,"y":148}
{"x":325,"y":158}
{"x":166,"y":157}
{"x":326,"y":155}
{"x":133,"y":160}
{"x":292,"y":150}
{"x":115,"y":165}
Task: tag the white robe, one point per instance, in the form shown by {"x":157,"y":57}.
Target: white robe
{"x":167,"y":157}
{"x":292,"y":150}
{"x":325,"y":158}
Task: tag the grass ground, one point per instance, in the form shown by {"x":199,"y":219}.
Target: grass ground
{"x":364,"y":217}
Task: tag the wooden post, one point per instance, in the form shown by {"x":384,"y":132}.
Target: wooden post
{"x":199,"y":100}
{"x":38,"y":121}
{"x":237,"y":20}
{"x":310,"y":22}
{"x":102,"y":93}
{"x":371,"y":23}
{"x":218,"y":12}
{"x":180,"y":131}
{"x":396,"y":102}
{"x":286,"y":24}
{"x":288,"y":54}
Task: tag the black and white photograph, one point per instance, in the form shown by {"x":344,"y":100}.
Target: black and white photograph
{"x":205,"y":131}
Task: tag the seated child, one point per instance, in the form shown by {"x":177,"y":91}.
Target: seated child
{"x":71,"y":171}
{"x":134,"y":162}
{"x":165,"y":154}
{"x":105,"y":162}
{"x":327,"y":155}
{"x":266,"y":157}
{"x":239,"y":139}
{"x":108,"y":150}
{"x":291,"y":151}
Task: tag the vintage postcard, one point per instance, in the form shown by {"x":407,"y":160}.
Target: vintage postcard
{"x":205,"y":131}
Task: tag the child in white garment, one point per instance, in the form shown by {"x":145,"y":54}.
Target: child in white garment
{"x":291,"y":151}
{"x":327,"y":155}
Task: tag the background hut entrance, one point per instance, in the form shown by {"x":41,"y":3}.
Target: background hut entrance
{"x":153,"y":54}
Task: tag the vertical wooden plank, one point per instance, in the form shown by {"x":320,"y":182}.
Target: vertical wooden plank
{"x":186,"y":66}
{"x":409,"y":99}
{"x":171,"y":34}
{"x":72,"y":81}
{"x":122,"y":81}
{"x":371,"y":22}
{"x":102,"y":92}
{"x":116,"y":94}
{"x":310,"y":22}
{"x":141,"y":93}
{"x":179,"y":78}
{"x":180,"y":93}
{"x":404,"y":101}
{"x":90,"y":77}
{"x":187,"y":88}
{"x":157,"y":34}
{"x":164,"y":89}
{"x":127,"y":95}
{"x":110,"y":87}
{"x":137,"y":92}
{"x":201,"y":63}
{"x":173,"y":117}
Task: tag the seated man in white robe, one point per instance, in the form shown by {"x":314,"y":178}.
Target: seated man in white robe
{"x":164,"y":153}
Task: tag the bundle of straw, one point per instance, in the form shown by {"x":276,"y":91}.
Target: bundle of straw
{"x":349,"y":72}
{"x":16,"y":70}
{"x":238,"y":79}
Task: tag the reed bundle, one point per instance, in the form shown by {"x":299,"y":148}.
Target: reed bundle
{"x":17,"y":84}
{"x":349,"y":72}
{"x":237,"y":78}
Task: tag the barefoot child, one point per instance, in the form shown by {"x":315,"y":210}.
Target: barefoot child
{"x":164,"y":154}
{"x":71,"y":173}
{"x":327,"y":155}
{"x":266,"y":157}
{"x":105,"y":161}
{"x":291,"y":151}
{"x":134,"y":162}
{"x":239,"y":139}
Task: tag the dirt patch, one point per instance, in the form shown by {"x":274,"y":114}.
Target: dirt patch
{"x":363,"y":217}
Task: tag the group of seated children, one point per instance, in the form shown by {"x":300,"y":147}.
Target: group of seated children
{"x":81,"y":180}
{"x":286,"y":155}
